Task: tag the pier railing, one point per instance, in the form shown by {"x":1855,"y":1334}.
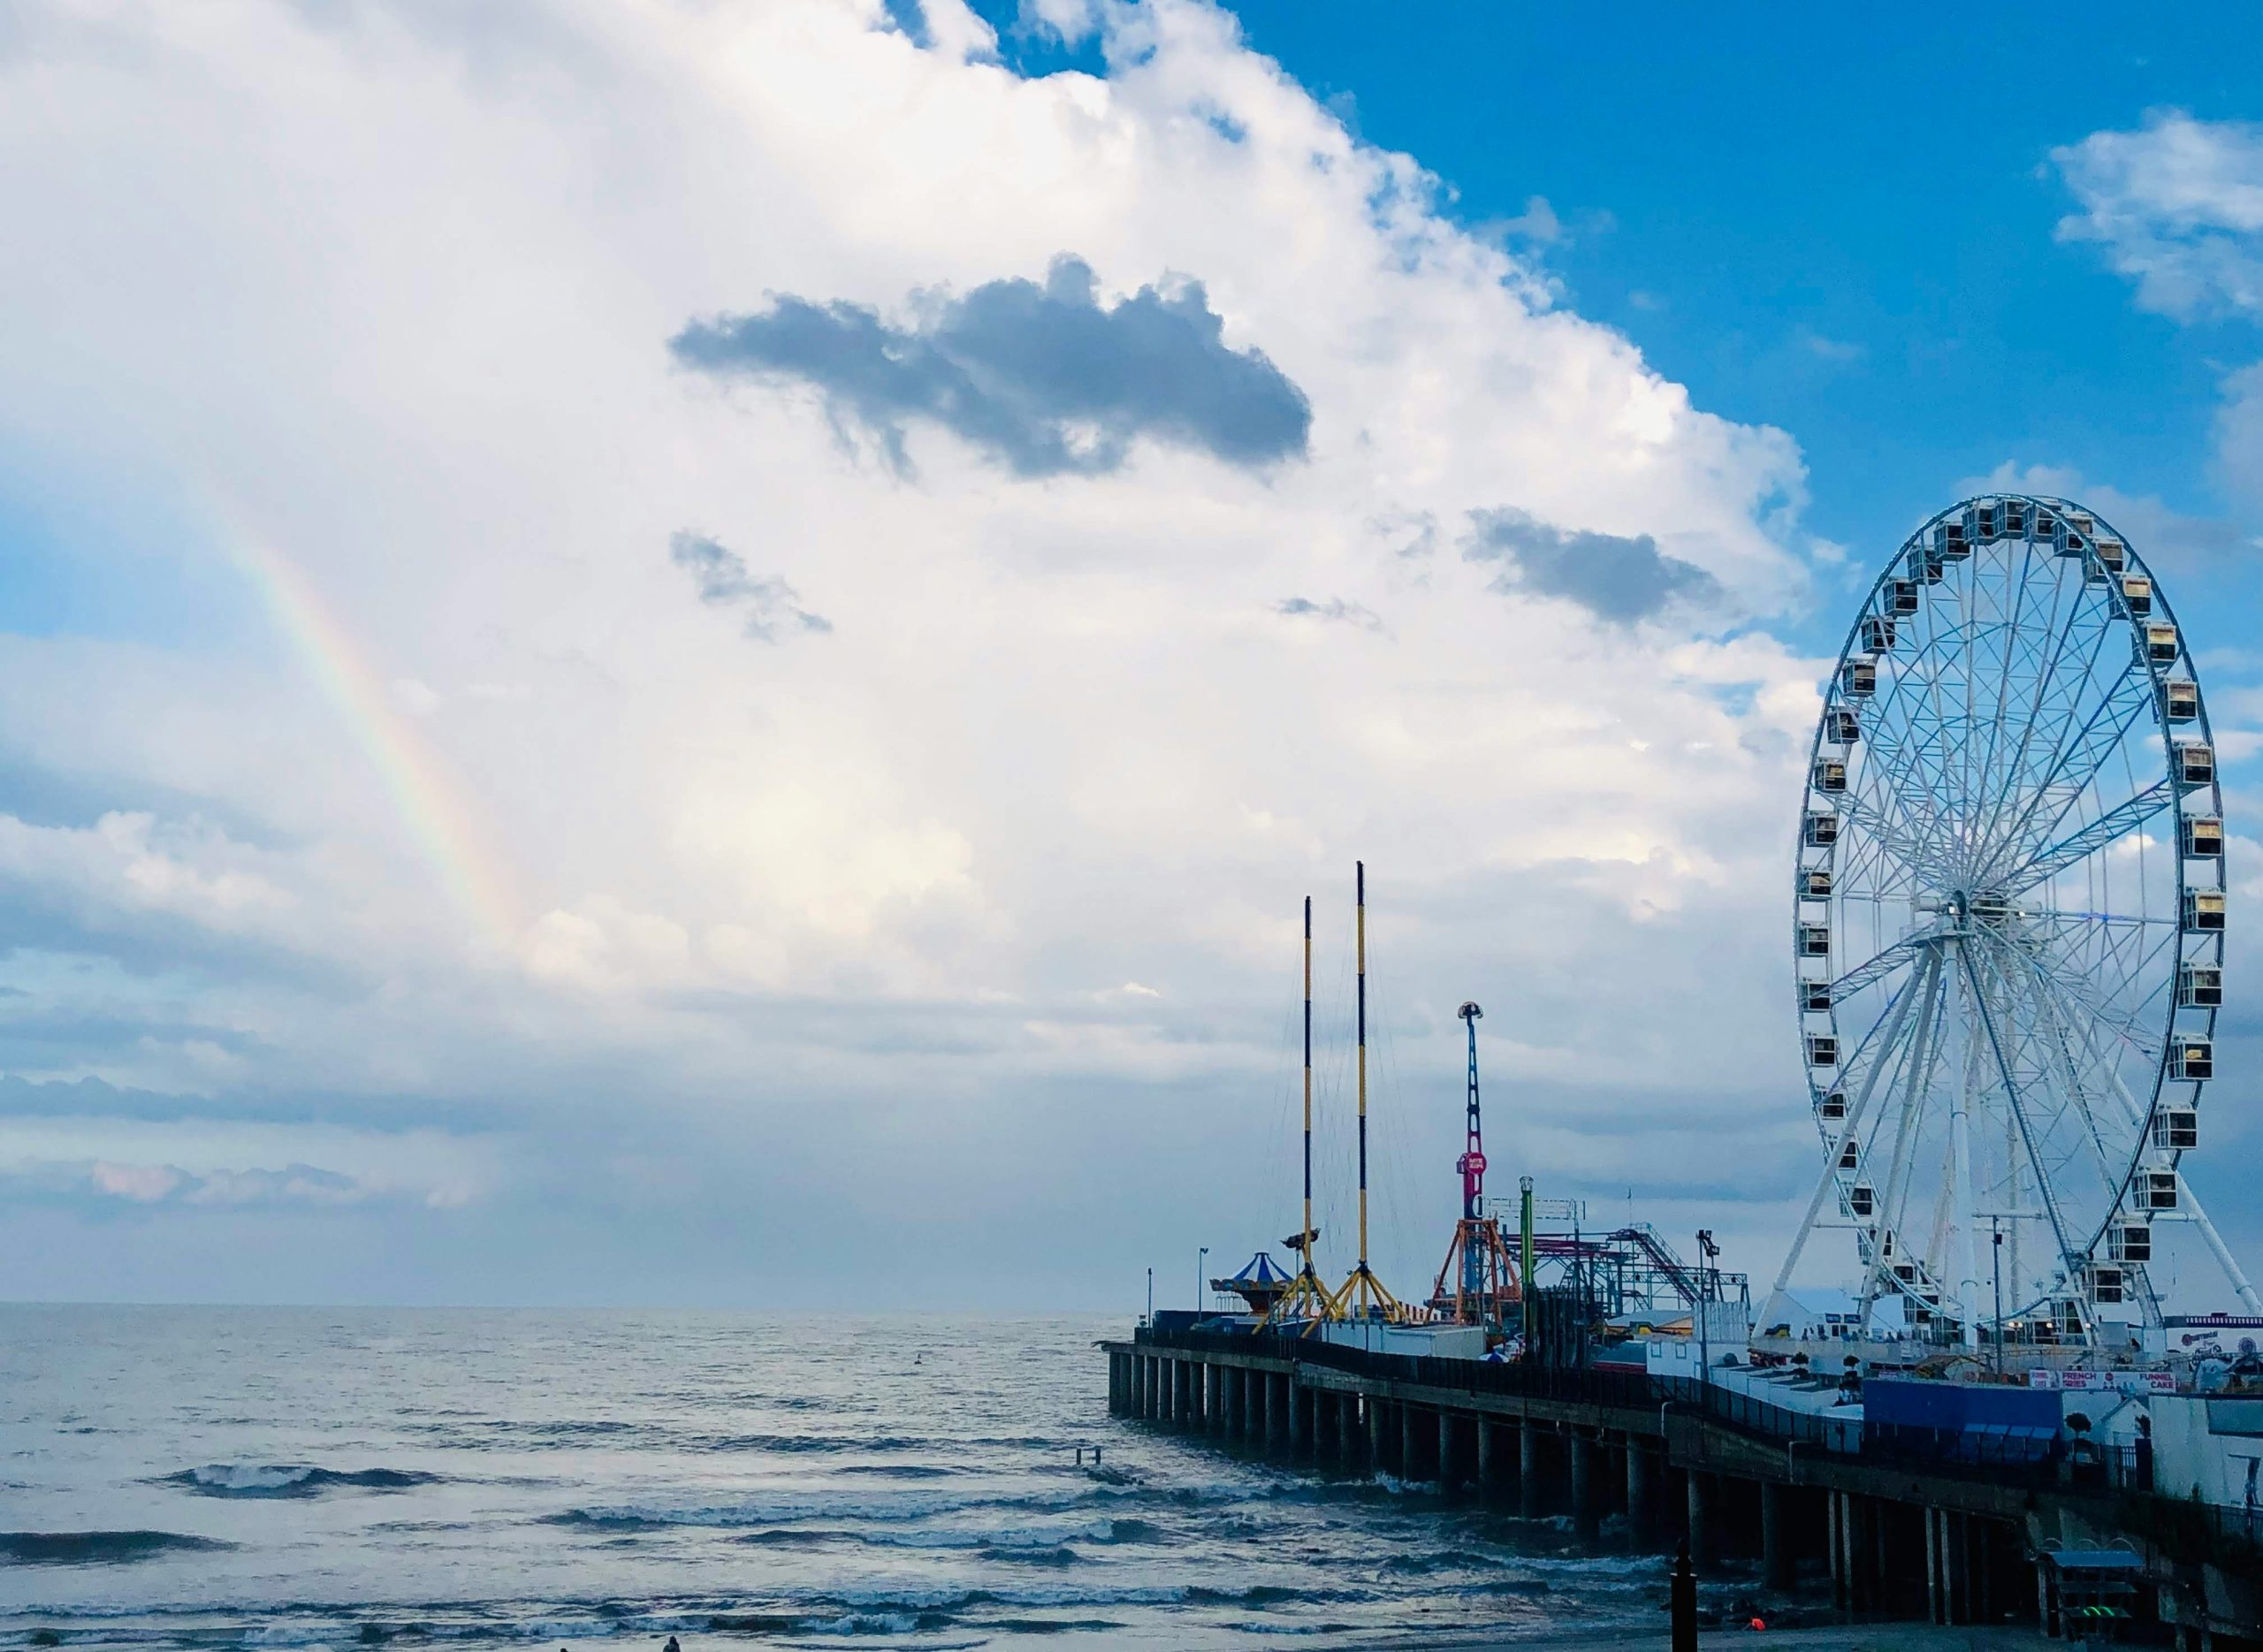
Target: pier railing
{"x":1623,"y":1388}
{"x":2014,"y":1460}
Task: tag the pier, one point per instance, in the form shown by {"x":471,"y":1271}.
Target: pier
{"x":1897,"y":1535}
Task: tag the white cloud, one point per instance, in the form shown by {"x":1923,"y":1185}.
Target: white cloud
{"x":789,"y":909}
{"x":2239,"y":433}
{"x":2178,"y":206}
{"x":2172,"y":543}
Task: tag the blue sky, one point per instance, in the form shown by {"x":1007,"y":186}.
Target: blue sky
{"x":1842,"y":230}
{"x":845,"y":566}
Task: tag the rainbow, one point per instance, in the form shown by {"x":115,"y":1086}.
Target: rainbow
{"x":424,"y":797}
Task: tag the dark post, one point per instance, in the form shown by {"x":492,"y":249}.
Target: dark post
{"x":1996,"y":1251}
{"x":1681,"y":1601}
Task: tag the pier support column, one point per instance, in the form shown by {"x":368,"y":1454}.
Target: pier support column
{"x":1641,"y":1516}
{"x":1410,"y":1448}
{"x":1450,"y":1473}
{"x":1528,"y":1468}
{"x":1488,"y":1466}
{"x":1351,"y":1431}
{"x":1584,"y":1523}
{"x":1214,"y":1414}
{"x":1775,"y":1535}
{"x":1298,"y":1411}
{"x":1375,"y":1431}
{"x":1252,"y":1406}
{"x":1842,"y":1593}
{"x":1701,"y":1519}
{"x":1936,"y":1568}
{"x":1280,"y":1415}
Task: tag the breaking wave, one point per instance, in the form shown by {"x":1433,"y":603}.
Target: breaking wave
{"x":99,"y":1548}
{"x":290,"y":1479}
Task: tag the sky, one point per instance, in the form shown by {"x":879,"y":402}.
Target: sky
{"x":699,"y":653}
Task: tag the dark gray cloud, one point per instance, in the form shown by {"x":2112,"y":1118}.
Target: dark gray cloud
{"x":1335,"y":608}
{"x":1045,"y":379}
{"x":719,"y":575}
{"x":1617,"y":579}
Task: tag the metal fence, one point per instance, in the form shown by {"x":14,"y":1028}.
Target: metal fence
{"x":1762,"y":1419}
{"x":1622,"y":1388}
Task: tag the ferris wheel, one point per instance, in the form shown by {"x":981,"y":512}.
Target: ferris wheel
{"x":2008,"y":929}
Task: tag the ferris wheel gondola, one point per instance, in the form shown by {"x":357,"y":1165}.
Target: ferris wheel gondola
{"x":2009,"y":911}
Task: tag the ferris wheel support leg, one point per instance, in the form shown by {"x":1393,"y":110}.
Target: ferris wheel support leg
{"x":2222,"y":1251}
{"x":1854,"y":1121}
{"x":2069,"y":1259}
{"x":1959,"y":1137}
{"x":1968,"y":1284}
{"x":1920,"y":1061}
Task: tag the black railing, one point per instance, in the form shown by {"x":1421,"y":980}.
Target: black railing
{"x":1763,"y":1419}
{"x":2187,"y":1529}
{"x":1623,"y":1388}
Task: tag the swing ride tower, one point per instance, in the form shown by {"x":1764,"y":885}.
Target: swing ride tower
{"x":1478,"y":1283}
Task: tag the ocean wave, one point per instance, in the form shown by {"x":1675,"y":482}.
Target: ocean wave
{"x":799,"y":1442}
{"x":1056,"y":1535}
{"x":1050,"y":1625}
{"x":290,"y":1479}
{"x":901,"y":1507}
{"x":99,"y":1548}
{"x":785,"y":1509}
{"x":1063,"y":1555}
{"x":1442,"y":1560}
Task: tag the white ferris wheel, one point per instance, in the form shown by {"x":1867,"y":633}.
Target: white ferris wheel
{"x":2008,"y":931}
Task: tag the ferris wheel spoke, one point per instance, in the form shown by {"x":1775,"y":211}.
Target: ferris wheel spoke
{"x":1907,"y":848}
{"x":1991,"y":789}
{"x":2081,"y":757}
{"x":2015,"y":1098}
{"x":2044,"y":679}
{"x":2048,"y":1030}
{"x":2044,"y":715}
{"x":1879,"y":967}
{"x":2110,"y":826}
{"x":2126,"y":1024}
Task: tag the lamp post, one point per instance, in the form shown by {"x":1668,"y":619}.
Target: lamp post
{"x":1996,"y":1257}
{"x":1151,"y":1296}
{"x":1201,"y":1261}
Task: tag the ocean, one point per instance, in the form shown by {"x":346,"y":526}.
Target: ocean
{"x":224,"y":1478}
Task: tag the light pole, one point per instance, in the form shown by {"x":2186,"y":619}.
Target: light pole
{"x":1151,"y":1296}
{"x":1201,"y":1261}
{"x":1706,"y":1252}
{"x":1996,"y":1256}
